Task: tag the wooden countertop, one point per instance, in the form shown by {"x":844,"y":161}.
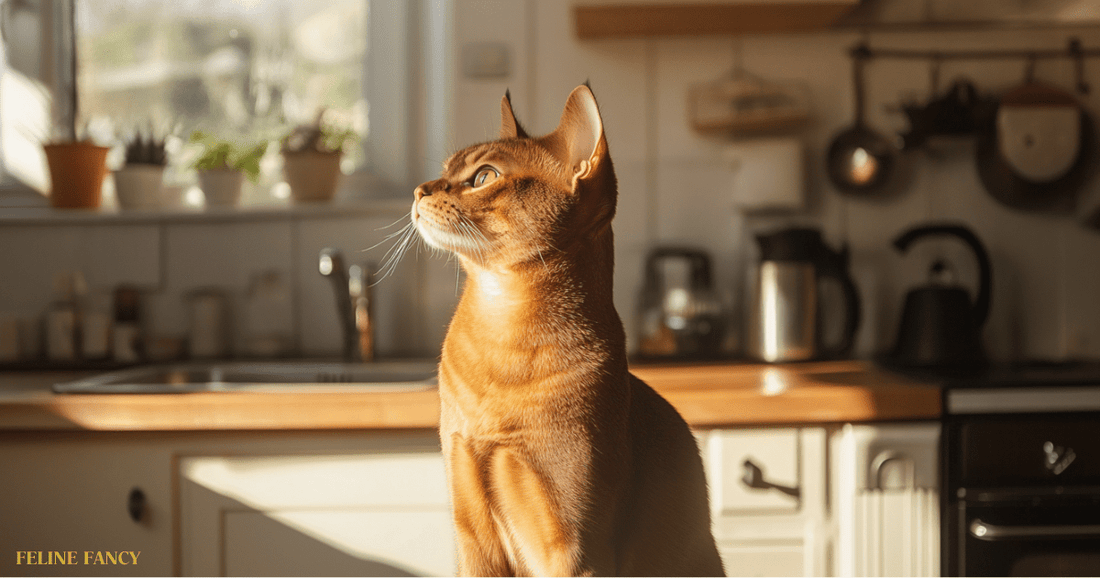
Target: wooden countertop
{"x":711,"y":395}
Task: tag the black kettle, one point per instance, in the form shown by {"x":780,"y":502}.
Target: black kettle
{"x":941,"y":328}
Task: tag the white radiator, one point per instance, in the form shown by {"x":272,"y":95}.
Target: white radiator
{"x":897,"y":532}
{"x":887,"y":502}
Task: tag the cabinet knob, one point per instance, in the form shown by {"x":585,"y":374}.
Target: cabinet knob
{"x":753,"y":476}
{"x":135,"y":505}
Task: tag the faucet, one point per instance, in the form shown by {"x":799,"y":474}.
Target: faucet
{"x":353,"y":303}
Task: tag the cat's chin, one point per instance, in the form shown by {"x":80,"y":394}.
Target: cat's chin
{"x":443,"y":240}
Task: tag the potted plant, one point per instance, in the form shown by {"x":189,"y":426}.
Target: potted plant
{"x":77,"y":168}
{"x":139,"y":182}
{"x":223,"y":166}
{"x":311,"y":159}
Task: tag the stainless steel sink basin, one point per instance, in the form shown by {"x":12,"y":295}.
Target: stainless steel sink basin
{"x":261,"y":376}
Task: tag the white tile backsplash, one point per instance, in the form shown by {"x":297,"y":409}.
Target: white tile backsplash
{"x":614,"y":68}
{"x":107,"y":256}
{"x":225,"y":254}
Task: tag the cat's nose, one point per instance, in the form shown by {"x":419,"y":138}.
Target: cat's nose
{"x":426,"y":189}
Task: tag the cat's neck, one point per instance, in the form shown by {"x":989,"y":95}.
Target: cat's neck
{"x":554,"y":296}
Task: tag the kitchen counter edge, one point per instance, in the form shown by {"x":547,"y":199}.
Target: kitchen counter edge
{"x":706,"y":395}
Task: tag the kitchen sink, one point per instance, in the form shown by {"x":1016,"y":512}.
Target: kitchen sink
{"x":261,"y":376}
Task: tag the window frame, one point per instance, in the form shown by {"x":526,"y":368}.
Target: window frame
{"x":408,"y":75}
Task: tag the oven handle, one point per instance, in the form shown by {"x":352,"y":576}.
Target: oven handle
{"x":993,"y":532}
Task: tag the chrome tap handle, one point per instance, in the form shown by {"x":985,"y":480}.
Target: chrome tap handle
{"x":360,"y":278}
{"x":331,"y":265}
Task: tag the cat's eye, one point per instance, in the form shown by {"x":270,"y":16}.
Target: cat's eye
{"x":484,"y":176}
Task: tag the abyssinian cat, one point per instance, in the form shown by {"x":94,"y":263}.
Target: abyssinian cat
{"x":559,"y":461}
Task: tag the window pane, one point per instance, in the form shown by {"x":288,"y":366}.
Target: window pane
{"x":237,"y":68}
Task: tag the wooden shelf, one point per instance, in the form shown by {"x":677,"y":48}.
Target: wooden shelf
{"x":626,"y":18}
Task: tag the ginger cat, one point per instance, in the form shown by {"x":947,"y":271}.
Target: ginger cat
{"x":559,"y":461}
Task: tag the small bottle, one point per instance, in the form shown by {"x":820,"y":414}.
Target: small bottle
{"x":63,"y":318}
{"x":266,"y":310}
{"x":126,"y":331}
{"x":95,"y":335}
{"x":209,"y":324}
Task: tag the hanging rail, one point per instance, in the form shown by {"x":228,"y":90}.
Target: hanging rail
{"x":1072,"y":50}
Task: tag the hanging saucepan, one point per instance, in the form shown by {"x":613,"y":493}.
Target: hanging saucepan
{"x":954,"y":113}
{"x":860,"y":160}
{"x":1034,"y":152}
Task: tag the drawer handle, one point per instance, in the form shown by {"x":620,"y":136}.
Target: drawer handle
{"x":993,"y":532}
{"x":753,"y":477}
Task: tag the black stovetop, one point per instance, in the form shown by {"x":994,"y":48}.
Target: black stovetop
{"x":1011,"y":374}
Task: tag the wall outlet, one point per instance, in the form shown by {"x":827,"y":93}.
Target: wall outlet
{"x":486,"y":60}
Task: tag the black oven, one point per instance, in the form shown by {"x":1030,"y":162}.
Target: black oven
{"x":1021,"y":473}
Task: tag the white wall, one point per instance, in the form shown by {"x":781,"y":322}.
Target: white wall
{"x":675,"y":187}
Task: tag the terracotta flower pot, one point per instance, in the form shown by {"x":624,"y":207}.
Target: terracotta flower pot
{"x":138,"y":186}
{"x":313,"y":176}
{"x":76,"y":174}
{"x":221,"y":187}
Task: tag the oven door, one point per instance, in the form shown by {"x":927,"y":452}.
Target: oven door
{"x":1016,"y":534}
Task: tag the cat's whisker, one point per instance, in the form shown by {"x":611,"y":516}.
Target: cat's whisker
{"x":395,"y":253}
{"x":475,"y":237}
{"x":468,"y":234}
{"x":458,"y":278}
{"x":400,"y":231}
{"x":544,"y":266}
{"x":402,"y":218}
{"x":396,"y":246}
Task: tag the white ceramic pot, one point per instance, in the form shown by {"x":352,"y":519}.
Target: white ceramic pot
{"x":312,"y":176}
{"x":139,"y":186}
{"x":221,"y":187}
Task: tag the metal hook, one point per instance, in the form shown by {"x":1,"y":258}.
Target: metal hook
{"x":936,"y":64}
{"x":1029,"y":69}
{"x":1079,"y":64}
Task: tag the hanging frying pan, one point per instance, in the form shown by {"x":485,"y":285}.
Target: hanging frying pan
{"x":1033,"y":153}
{"x":860,"y":161}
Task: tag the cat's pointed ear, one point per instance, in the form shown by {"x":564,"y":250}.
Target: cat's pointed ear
{"x":580,"y":131}
{"x":509,"y":126}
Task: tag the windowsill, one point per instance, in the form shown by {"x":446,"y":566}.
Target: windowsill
{"x":265,"y":212}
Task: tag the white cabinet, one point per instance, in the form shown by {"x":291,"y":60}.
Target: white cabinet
{"x":357,"y":514}
{"x":781,"y":526}
{"x":61,"y":494}
{"x":838,"y":500}
{"x":850,"y":500}
{"x":277,"y":503}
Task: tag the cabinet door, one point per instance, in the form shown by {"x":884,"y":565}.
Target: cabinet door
{"x":378,"y":514}
{"x":779,"y":527}
{"x":774,"y":451}
{"x":763,"y":559}
{"x":359,"y":541}
{"x":69,"y":493}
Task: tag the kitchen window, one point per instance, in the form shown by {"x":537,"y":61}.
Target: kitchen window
{"x":242,"y":68}
{"x":252,"y":69}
